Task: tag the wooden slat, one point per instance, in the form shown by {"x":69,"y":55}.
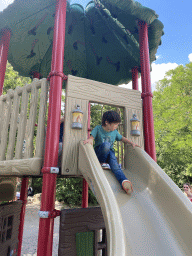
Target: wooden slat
{"x":139,"y":140}
{"x":1,"y":116}
{"x":94,"y":91}
{"x":73,"y":136}
{"x":31,"y":121}
{"x":129,"y":115}
{"x":18,"y":167}
{"x":13,"y":125}
{"x":122,"y":147}
{"x":6,"y":122}
{"x":41,"y":120}
{"x":22,"y":124}
{"x":30,"y":165}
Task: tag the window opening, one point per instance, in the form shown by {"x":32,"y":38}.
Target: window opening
{"x":6,"y":226}
{"x":97,"y":111}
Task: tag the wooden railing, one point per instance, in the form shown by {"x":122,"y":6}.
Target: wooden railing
{"x":21,"y":110}
{"x":120,"y":147}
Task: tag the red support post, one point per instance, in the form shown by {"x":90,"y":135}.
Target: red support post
{"x":4,"y":49}
{"x":46,"y":225}
{"x":135,"y":85}
{"x":149,"y":133}
{"x":85,"y":195}
{"x":23,"y":197}
{"x":5,"y":36}
{"x":36,"y":74}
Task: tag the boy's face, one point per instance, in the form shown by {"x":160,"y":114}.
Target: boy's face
{"x":111,"y":126}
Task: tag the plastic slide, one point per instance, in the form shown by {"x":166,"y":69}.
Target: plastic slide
{"x":155,"y":220}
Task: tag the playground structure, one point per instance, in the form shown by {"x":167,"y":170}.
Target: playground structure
{"x":156,"y":219}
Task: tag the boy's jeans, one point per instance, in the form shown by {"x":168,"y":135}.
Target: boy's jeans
{"x":106,"y":155}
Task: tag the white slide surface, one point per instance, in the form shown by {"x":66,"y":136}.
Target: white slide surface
{"x":155,"y":220}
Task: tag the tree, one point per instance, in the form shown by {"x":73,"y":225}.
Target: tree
{"x":172,"y":105}
{"x":13,"y":79}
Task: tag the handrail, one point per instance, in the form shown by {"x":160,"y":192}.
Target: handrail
{"x":19,"y":89}
{"x":18,"y":113}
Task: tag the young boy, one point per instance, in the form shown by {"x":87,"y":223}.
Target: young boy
{"x":105,"y":135}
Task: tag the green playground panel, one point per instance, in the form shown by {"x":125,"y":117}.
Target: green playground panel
{"x":85,"y":243}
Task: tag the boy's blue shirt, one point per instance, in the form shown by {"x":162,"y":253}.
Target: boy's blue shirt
{"x":101,"y":136}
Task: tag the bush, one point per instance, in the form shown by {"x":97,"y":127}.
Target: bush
{"x":37,"y":185}
{"x":69,"y":190}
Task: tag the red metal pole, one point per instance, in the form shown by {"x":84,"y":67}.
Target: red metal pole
{"x":135,"y":85}
{"x":85,"y":195}
{"x":23,"y":197}
{"x":45,"y":240}
{"x":4,"y":49}
{"x":36,"y":74}
{"x":149,"y":133}
{"x":5,"y":35}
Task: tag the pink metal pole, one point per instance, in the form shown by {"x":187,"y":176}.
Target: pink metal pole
{"x":5,"y":35}
{"x":23,"y":197}
{"x":36,"y":74}
{"x":85,"y":195}
{"x":149,"y":133}
{"x":4,"y":49}
{"x":45,"y":240}
{"x":135,"y":85}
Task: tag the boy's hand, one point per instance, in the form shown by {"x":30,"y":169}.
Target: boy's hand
{"x":125,"y":140}
{"x":89,"y":141}
{"x":133,"y":144}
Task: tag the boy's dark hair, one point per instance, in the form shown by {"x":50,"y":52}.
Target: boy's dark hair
{"x":111,"y":117}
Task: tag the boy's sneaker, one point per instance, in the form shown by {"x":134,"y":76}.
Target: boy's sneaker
{"x":127,"y":186}
{"x":105,"y":166}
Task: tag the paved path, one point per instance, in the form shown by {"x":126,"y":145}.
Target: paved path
{"x":31,"y":228}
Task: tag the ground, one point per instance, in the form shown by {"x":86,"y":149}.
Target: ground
{"x":31,"y":227}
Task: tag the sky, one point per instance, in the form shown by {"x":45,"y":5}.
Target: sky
{"x":176,"y":48}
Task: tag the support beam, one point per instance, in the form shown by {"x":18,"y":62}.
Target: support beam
{"x":46,"y":225}
{"x":36,"y":74}
{"x":23,"y":197}
{"x":149,"y":134}
{"x":85,"y":195}
{"x":5,"y":36}
{"x":135,"y":85}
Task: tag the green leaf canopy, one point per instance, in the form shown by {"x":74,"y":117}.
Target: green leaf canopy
{"x":172,"y":108}
{"x":101,"y":42}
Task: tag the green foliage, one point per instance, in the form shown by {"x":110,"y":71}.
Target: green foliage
{"x":172,"y":106}
{"x":37,"y":185}
{"x":97,"y":111}
{"x":13,"y":79}
{"x":69,"y":190}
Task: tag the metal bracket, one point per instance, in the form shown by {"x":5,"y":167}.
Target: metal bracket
{"x":48,"y":214}
{"x":54,"y":170}
{"x":57,"y":73}
{"x":54,"y":213}
{"x":43,"y":214}
{"x":146,"y":94}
